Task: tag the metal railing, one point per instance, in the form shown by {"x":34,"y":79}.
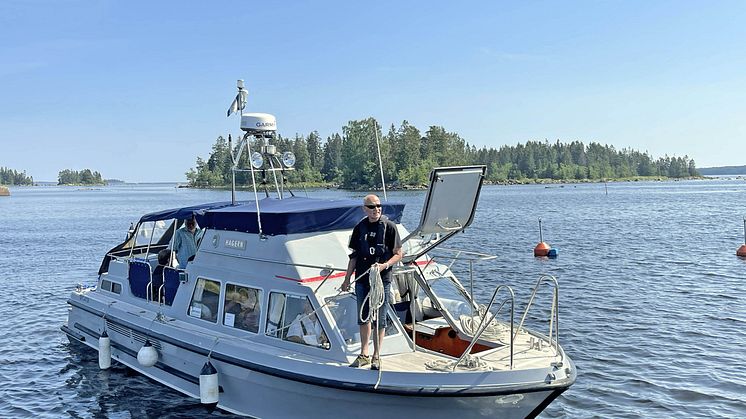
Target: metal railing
{"x":554,"y":314}
{"x":484,"y":323}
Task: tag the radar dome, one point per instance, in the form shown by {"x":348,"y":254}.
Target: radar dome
{"x":258,"y":122}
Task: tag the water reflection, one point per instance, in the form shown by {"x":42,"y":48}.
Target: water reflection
{"x":121,"y":392}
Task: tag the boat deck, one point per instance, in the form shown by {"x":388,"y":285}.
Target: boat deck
{"x":524,"y":357}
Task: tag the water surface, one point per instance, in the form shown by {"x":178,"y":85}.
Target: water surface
{"x":652,"y":296}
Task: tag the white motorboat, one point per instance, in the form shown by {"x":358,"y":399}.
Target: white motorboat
{"x":222,"y":328}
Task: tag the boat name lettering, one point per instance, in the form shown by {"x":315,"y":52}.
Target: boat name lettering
{"x":235,"y":244}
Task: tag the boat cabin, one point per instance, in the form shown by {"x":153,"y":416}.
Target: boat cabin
{"x":270,"y":270}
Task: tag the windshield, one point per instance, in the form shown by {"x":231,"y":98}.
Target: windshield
{"x":150,"y":232}
{"x":453,"y":299}
{"x":344,"y":312}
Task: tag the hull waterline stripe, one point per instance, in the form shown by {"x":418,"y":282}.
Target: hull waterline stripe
{"x":322,"y":382}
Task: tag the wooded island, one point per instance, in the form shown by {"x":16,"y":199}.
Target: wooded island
{"x":350,"y":159}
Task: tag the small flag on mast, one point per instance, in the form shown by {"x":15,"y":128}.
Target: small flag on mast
{"x":239,"y":103}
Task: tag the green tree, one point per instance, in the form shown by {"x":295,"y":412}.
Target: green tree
{"x":13,"y":177}
{"x":331,"y":169}
{"x":84,"y":177}
{"x":358,"y":153}
{"x":315,"y":151}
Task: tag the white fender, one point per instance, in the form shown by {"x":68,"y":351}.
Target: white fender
{"x":147,"y":356}
{"x":104,"y":351}
{"x":208,"y":384}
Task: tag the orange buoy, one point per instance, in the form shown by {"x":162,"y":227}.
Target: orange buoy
{"x":542,"y":249}
{"x":741,"y":251}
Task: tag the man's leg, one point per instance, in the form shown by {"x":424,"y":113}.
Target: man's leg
{"x":381,"y":323}
{"x":377,"y":341}
{"x":365,"y":339}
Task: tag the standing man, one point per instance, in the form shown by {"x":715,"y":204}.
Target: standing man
{"x":185,"y":242}
{"x":374,"y":242}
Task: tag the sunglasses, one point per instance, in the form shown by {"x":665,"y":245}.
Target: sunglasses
{"x":372,"y":206}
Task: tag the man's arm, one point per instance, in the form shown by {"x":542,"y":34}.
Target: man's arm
{"x":398,"y":254}
{"x":353,"y":257}
{"x":177,"y":241}
{"x":348,"y":274}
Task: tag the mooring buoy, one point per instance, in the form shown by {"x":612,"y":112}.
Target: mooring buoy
{"x":541,"y":249}
{"x":741,"y":252}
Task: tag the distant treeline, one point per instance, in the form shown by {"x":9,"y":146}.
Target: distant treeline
{"x":13,"y":177}
{"x":350,"y":159}
{"x":83,"y":177}
{"x":724,"y":170}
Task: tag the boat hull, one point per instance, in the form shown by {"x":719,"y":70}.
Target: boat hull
{"x":269,"y":393}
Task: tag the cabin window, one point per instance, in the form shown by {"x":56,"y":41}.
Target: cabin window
{"x":344,"y":312}
{"x":242,"y":307}
{"x":205,"y":300}
{"x":114,"y":287}
{"x":293,"y":318}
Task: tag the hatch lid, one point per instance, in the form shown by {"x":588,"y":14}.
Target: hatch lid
{"x":449,"y":208}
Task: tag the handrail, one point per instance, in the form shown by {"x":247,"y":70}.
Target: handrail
{"x":476,"y":256}
{"x":483,"y":325}
{"x":553,"y":316}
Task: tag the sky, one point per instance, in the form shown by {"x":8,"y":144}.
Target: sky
{"x":137,"y":90}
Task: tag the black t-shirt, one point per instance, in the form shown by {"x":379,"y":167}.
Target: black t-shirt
{"x":368,"y":246}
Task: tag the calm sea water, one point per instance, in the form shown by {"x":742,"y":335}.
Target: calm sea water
{"x":652,"y":296}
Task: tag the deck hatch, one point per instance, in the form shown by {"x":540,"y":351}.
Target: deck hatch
{"x":449,"y":208}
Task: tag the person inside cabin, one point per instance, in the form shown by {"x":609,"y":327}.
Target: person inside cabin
{"x":374,"y":242}
{"x":306,"y":328}
{"x":248,"y":318}
{"x":185,"y":242}
{"x":164,"y":260}
{"x":242,"y":309}
{"x":233,"y":301}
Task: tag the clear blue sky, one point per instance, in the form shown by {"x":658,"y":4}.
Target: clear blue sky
{"x":138,"y":89}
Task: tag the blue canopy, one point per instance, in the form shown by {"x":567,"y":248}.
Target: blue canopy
{"x":279,"y":216}
{"x":183,"y":213}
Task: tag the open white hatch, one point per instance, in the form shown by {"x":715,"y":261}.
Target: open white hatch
{"x":449,"y":208}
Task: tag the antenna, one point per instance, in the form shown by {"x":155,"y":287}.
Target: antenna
{"x":380,"y":161}
{"x":262,"y":127}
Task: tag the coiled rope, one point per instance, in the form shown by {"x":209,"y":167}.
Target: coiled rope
{"x":375,"y":295}
{"x":375,"y":300}
{"x":469,"y":363}
{"x":493,"y":331}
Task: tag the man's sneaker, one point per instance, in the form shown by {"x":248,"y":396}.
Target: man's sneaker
{"x":360,"y":361}
{"x":375,"y":364}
